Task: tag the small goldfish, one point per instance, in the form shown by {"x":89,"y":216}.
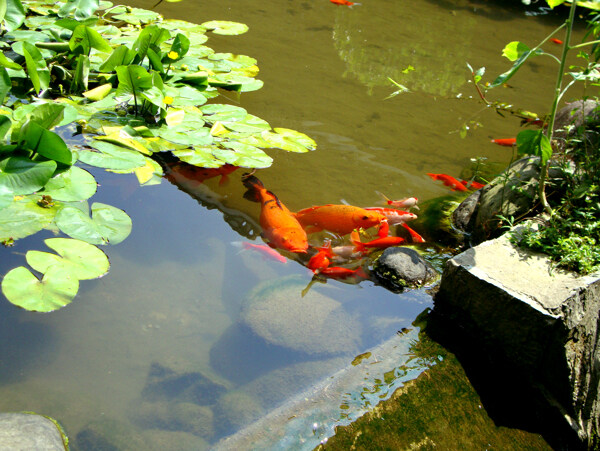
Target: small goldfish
{"x":321,"y":259}
{"x":263,"y":249}
{"x":472,"y":184}
{"x":556,"y":41}
{"x":344,"y":3}
{"x":415,"y":237}
{"x":338,"y":272}
{"x":378,"y":243}
{"x":408,"y":202}
{"x":341,"y":219}
{"x":394,"y":216}
{"x":506,"y":142}
{"x":448,"y":180}
{"x":278,"y":224}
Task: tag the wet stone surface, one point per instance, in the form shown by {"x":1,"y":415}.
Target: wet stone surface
{"x":399,"y":268}
{"x":24,"y":431}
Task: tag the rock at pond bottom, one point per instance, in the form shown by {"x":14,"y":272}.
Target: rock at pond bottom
{"x":314,"y":324}
{"x":400,"y":267}
{"x":540,"y":322}
{"x":26,"y":431}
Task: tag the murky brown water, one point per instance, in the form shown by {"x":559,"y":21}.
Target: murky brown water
{"x":176,"y":285}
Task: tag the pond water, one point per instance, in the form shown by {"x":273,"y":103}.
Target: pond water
{"x":163,"y":349}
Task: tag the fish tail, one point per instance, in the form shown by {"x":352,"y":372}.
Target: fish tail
{"x":384,"y":199}
{"x":254,"y":185}
{"x":358,"y":245}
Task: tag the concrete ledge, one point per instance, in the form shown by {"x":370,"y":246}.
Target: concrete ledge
{"x":540,"y":320}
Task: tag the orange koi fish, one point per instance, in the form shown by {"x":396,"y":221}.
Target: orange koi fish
{"x":199,"y":174}
{"x":408,"y":202}
{"x":556,"y":41}
{"x":473,"y":184}
{"x":344,"y":2}
{"x":378,"y":243}
{"x":448,"y":180}
{"x":394,"y":216}
{"x":263,"y":249}
{"x":321,"y":259}
{"x":506,"y":142}
{"x":341,"y":219}
{"x":415,"y":237}
{"x":338,"y":272}
{"x":279,"y":225}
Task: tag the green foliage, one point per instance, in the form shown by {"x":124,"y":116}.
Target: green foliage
{"x":130,"y":92}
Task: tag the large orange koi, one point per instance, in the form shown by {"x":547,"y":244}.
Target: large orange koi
{"x":279,"y":225}
{"x":341,"y":219}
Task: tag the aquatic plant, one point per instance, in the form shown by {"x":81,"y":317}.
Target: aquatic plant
{"x":85,"y":81}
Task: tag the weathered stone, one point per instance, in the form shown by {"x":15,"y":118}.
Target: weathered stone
{"x":26,"y":431}
{"x":462,"y":216}
{"x":571,"y":117}
{"x":313,"y":324}
{"x":174,"y":416}
{"x":540,"y":320}
{"x":400,"y":267}
{"x":108,"y":434}
{"x":174,"y":440}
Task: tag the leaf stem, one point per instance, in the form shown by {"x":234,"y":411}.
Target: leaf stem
{"x":557,"y":95}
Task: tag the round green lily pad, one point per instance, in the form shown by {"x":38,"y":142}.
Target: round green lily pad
{"x":108,"y":224}
{"x":81,"y":259}
{"x":72,"y":185}
{"x":225,"y":27}
{"x":57,"y":288}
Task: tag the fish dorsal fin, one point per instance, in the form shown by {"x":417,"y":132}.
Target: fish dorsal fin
{"x":277,"y":201}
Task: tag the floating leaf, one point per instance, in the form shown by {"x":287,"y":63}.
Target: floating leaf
{"x":199,"y":156}
{"x":225,"y":27}
{"x":250,"y":124}
{"x":87,"y":38}
{"x":98,"y":93}
{"x":224,"y":113}
{"x":6,"y":197}
{"x":82,"y":260}
{"x":110,"y":156}
{"x":243,"y":155}
{"x":22,"y":176}
{"x":22,"y":218}
{"x":56,"y":289}
{"x":108,"y":225}
{"x":289,"y":140}
{"x":14,"y":15}
{"x":72,"y":185}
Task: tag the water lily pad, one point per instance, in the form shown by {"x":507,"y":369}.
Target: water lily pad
{"x":56,"y":289}
{"x":289,"y":140}
{"x":200,"y":156}
{"x":108,"y":225}
{"x":72,"y":185}
{"x":6,"y":197}
{"x":225,"y":27}
{"x":24,"y":217}
{"x":111,"y":156}
{"x":243,"y":155}
{"x":23,"y":176}
{"x":223,"y":113}
{"x":250,"y":124}
{"x":81,"y":259}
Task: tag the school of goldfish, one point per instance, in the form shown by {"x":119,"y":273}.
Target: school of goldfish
{"x":297,"y":232}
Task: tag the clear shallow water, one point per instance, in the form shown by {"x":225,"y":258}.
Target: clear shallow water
{"x":173,"y":299}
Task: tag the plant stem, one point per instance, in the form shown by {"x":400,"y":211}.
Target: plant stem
{"x":552,"y":117}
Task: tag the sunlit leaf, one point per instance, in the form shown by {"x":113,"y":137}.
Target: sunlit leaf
{"x":5,"y":84}
{"x":22,"y":176}
{"x":250,"y":124}
{"x":56,"y":289}
{"x":111,"y":156}
{"x":87,"y":38}
{"x":132,"y":80}
{"x":553,"y":3}
{"x":98,"y":93}
{"x":289,"y":140}
{"x":46,"y":143}
{"x":243,"y":155}
{"x":22,"y":218}
{"x":82,"y":9}
{"x":108,"y":225}
{"x":72,"y":185}
{"x":224,"y":113}
{"x":82,"y":260}
{"x":121,"y":56}
{"x":534,"y":142}
{"x":225,"y":27}
{"x":14,"y":15}
{"x":36,"y":67}
{"x":514,"y":50}
{"x":47,"y":115}
{"x":200,"y":156}
{"x":136,"y":16}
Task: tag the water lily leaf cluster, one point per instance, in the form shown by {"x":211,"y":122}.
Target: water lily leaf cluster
{"x":86,"y":83}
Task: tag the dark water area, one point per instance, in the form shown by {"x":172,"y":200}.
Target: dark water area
{"x":161,"y":353}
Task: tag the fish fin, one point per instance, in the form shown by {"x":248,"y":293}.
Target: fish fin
{"x":384,"y":199}
{"x":277,"y":201}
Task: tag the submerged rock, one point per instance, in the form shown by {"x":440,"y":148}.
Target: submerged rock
{"x":165,"y":384}
{"x":313,"y":324}
{"x":401,"y":267}
{"x":235,"y":410}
